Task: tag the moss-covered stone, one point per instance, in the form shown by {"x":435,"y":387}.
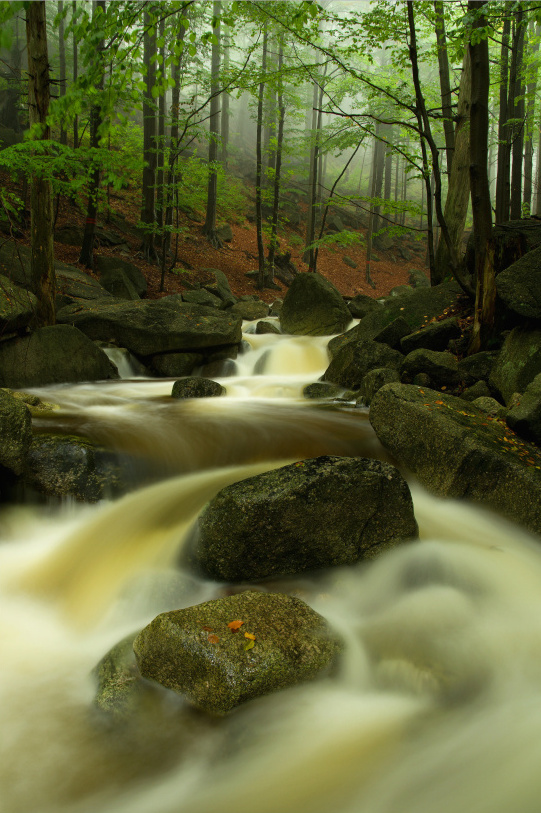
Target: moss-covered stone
{"x":194,"y":387}
{"x":313,"y":307}
{"x":194,"y":652}
{"x":15,"y":431}
{"x":353,"y":361}
{"x":518,"y":362}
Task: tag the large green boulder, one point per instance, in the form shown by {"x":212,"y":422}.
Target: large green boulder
{"x":417,"y":307}
{"x":15,"y":432}
{"x":519,"y":286}
{"x":17,"y":306}
{"x":275,"y":641}
{"x":196,"y":387}
{"x":105,"y":265}
{"x":518,"y":362}
{"x":313,"y":307}
{"x":52,"y":355}
{"x":457,"y":450}
{"x":353,"y":361}
{"x":312,"y":514}
{"x":148,"y":327}
{"x":440,"y":366}
{"x":524,"y":416}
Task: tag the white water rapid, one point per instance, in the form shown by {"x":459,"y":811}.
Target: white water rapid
{"x":436,"y":707}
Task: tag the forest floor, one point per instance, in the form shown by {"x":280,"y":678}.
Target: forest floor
{"x":239,"y":256}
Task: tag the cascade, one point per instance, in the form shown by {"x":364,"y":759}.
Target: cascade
{"x":437,"y":702}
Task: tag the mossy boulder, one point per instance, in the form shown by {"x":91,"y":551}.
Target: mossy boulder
{"x":312,"y":514}
{"x":52,"y":355}
{"x":119,"y":285}
{"x":71,"y":466}
{"x":196,"y":653}
{"x":353,"y":361}
{"x":175,"y":365}
{"x":250,"y":309}
{"x":148,"y":327}
{"x":518,"y":362}
{"x":440,"y":367}
{"x":524,"y":416}
{"x":313,"y":307}
{"x":17,"y":306}
{"x":361,"y":305}
{"x":15,"y":431}
{"x":105,"y":265}
{"x":435,"y":336}
{"x":194,"y":387}
{"x":456,"y":450}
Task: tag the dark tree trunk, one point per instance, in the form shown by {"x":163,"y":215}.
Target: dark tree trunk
{"x":308,"y":255}
{"x":259,"y":166}
{"x":504,"y":143}
{"x":160,"y":156}
{"x":87,"y":249}
{"x":278,"y":166}
{"x":61,"y":63}
{"x":209,"y":227}
{"x":445,"y":84}
{"x":225,"y":105}
{"x":518,"y":116}
{"x":41,"y":229}
{"x":75,"y":75}
{"x":528,"y":147}
{"x":148,"y":214}
{"x":485,"y":293}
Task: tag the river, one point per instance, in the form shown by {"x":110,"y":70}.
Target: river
{"x":437,"y":702}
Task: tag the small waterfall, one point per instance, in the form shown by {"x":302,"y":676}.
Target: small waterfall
{"x":436,"y":705}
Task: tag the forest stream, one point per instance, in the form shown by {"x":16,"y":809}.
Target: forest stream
{"x":436,"y":705}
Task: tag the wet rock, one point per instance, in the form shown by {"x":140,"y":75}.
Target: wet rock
{"x":374,"y":381}
{"x":193,"y":387}
{"x":119,"y":689}
{"x":250,"y":309}
{"x":393,"y":333}
{"x":435,"y":336}
{"x":148,"y":327}
{"x":194,"y":652}
{"x":71,"y":466}
{"x":519,"y":286}
{"x":477,"y":367}
{"x":219,"y":286}
{"x":263,"y":327}
{"x":356,"y":359}
{"x":491,"y":407}
{"x":418,"y":279}
{"x":52,"y":355}
{"x":15,"y":432}
{"x":441,"y":367}
{"x":456,"y":450}
{"x":322,"y":389}
{"x":313,"y":307}
{"x":202,"y":297}
{"x":518,"y":362}
{"x":478,"y":390}
{"x":361,"y":305}
{"x":173,"y":365}
{"x":17,"y":306}
{"x":104,"y":264}
{"x":119,"y":285}
{"x":316,"y":513}
{"x":525,"y":414}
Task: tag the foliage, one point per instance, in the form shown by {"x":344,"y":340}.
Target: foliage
{"x":192,"y":189}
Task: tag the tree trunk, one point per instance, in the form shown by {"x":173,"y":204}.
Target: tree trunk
{"x":209,"y":227}
{"x":458,"y":191}
{"x":148,"y":215}
{"x":278,"y":166}
{"x":160,"y":156}
{"x":61,"y":63}
{"x":259,"y":166}
{"x":225,"y":105}
{"x":528,"y":148}
{"x":75,"y":75}
{"x":41,"y":228}
{"x":87,"y":249}
{"x":445,"y":84}
{"x":308,"y":255}
{"x":379,"y":163}
{"x":504,"y":144}
{"x":485,"y":293}
{"x":518,"y":116}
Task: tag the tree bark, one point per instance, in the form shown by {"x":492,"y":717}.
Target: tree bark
{"x":529,"y":147}
{"x":485,"y":293}
{"x":224,"y":123}
{"x":41,"y":223}
{"x":259,"y":166}
{"x":518,"y":116}
{"x":504,"y":143}
{"x":209,"y":227}
{"x":61,"y":63}
{"x":87,"y":249}
{"x":75,"y":75}
{"x":445,"y":84}
{"x":148,"y":213}
{"x":458,"y":191}
{"x":160,"y":155}
{"x":269,"y":278}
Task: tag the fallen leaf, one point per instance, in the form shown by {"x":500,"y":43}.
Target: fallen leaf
{"x":249,"y":645}
{"x":213,"y":639}
{"x":208,"y":629}
{"x":249,"y":635}
{"x":235,"y":625}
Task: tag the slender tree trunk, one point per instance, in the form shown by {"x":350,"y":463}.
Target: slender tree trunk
{"x":485,"y":293}
{"x":75,"y":75}
{"x":504,"y":165}
{"x":148,"y":196}
{"x":445,"y":84}
{"x":458,"y":191}
{"x":41,"y":224}
{"x":379,"y":163}
{"x":61,"y":63}
{"x":209,"y":227}
{"x":259,"y":166}
{"x":538,"y":179}
{"x":87,"y":249}
{"x":528,"y":147}
{"x":160,"y":157}
{"x":278,"y":166}
{"x":225,"y":104}
{"x":312,"y":179}
{"x":518,"y":116}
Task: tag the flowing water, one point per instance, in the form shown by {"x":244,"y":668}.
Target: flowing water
{"x":437,"y":702}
